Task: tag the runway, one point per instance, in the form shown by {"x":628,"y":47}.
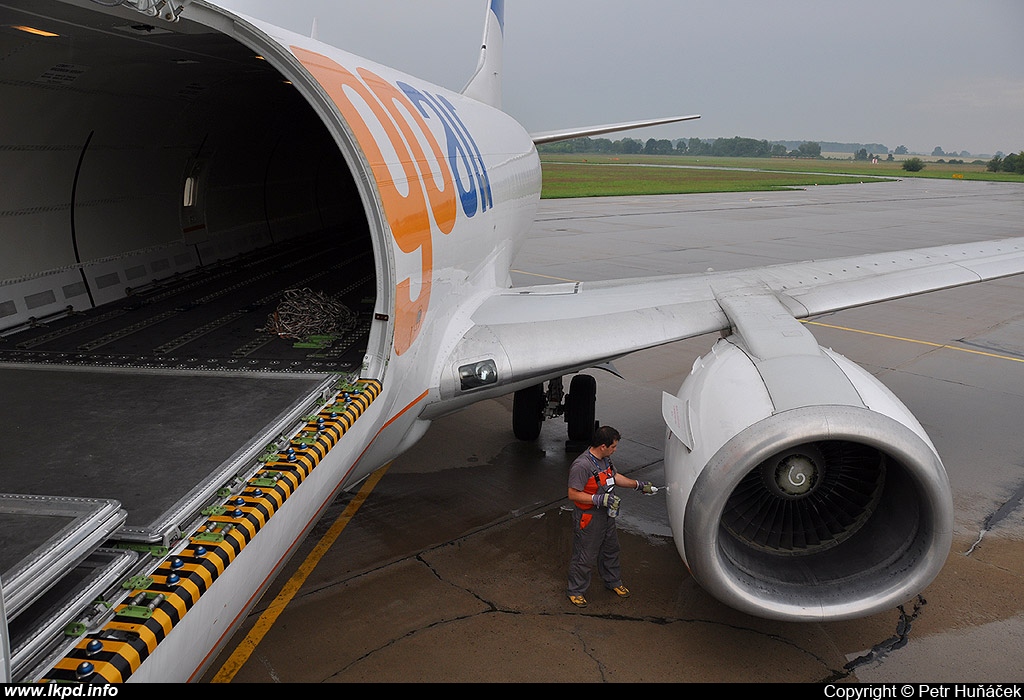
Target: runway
{"x":453,"y":568}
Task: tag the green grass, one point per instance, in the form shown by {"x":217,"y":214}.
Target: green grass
{"x":599,"y":175}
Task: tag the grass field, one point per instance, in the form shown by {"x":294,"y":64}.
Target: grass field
{"x":594,"y":175}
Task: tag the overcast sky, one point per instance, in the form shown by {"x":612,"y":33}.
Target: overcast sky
{"x":919,"y":73}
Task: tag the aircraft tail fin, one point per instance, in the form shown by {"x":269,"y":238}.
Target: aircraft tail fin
{"x":485,"y":85}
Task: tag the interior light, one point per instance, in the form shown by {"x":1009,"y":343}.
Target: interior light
{"x":32,"y":30}
{"x":189,"y":199}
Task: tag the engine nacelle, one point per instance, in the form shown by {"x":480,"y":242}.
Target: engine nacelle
{"x":802,"y":488}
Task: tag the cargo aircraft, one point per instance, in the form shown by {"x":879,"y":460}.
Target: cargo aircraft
{"x":174,"y":173}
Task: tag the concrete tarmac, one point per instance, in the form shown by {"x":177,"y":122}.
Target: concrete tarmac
{"x":453,"y":569}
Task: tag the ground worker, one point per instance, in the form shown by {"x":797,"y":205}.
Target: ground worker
{"x":595,"y":539}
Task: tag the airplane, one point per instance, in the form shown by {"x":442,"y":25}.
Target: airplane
{"x":153,"y":147}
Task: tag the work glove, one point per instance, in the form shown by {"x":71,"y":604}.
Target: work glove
{"x":607,"y":500}
{"x":646,"y":487}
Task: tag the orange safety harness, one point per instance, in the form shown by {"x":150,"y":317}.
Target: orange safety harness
{"x":595,"y":481}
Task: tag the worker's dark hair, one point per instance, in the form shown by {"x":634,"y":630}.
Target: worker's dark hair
{"x":605,"y":435}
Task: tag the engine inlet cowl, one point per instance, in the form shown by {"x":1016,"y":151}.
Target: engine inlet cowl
{"x":821,"y":512}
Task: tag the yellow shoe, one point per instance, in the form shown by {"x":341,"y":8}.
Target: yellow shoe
{"x":621,"y":591}
{"x":578,"y":600}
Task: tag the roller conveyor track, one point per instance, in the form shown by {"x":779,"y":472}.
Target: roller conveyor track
{"x":144,"y":399}
{"x":211,"y":319}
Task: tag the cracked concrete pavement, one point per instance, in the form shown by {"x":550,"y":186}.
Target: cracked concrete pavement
{"x":490,"y":606}
{"x":454,"y":570}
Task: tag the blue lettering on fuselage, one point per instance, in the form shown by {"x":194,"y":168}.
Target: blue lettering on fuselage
{"x":464,"y":159}
{"x":476,"y":159}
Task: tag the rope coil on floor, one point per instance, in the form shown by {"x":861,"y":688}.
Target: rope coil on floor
{"x":305,"y":312}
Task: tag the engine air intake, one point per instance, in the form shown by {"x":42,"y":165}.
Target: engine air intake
{"x":806,"y":499}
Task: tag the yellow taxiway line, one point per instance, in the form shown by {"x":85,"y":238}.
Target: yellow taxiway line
{"x":248,"y":645}
{"x":919,"y":342}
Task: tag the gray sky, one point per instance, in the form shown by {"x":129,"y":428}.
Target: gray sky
{"x":919,"y":73}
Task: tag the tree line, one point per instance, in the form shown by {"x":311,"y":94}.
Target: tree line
{"x":737,"y":146}
{"x":1013,"y":163}
{"x":740,"y":147}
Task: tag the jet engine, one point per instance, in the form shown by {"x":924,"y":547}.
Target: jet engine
{"x":800,"y":487}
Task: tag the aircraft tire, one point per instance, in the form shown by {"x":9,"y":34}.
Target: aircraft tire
{"x":528,"y":412}
{"x":580,"y":407}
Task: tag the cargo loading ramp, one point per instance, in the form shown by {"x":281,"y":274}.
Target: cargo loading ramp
{"x":50,"y":566}
{"x":46,"y":536}
{"x":58,"y":612}
{"x":160,"y":444}
{"x":137,"y":461}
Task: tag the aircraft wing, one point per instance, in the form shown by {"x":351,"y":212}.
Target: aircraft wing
{"x":548,"y":330}
{"x":578,"y":132}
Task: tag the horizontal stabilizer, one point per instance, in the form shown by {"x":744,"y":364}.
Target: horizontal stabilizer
{"x":566,"y":134}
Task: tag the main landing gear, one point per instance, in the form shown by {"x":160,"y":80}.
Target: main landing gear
{"x":531,"y":406}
